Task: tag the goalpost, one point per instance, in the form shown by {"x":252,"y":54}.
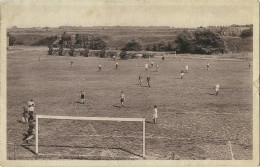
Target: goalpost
{"x":88,"y":118}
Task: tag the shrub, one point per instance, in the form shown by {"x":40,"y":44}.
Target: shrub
{"x":102,"y":53}
{"x":111,"y":54}
{"x":122,"y":55}
{"x":147,"y":55}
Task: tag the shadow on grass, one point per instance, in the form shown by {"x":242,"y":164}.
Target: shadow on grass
{"x":212,"y":94}
{"x":149,"y":122}
{"x":116,"y":106}
{"x":27,"y":147}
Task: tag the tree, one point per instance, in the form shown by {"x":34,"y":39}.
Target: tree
{"x":154,"y":47}
{"x":164,"y":46}
{"x":184,"y":42}
{"x":202,"y":41}
{"x":132,"y":46}
{"x":208,"y":42}
{"x":247,"y":33}
{"x":11,"y":39}
{"x":97,"y":43}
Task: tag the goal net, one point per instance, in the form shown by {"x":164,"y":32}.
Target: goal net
{"x":90,"y":137}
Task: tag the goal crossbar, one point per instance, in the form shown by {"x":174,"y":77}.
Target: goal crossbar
{"x":87,"y":118}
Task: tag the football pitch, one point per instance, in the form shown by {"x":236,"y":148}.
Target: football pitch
{"x":193,"y":123}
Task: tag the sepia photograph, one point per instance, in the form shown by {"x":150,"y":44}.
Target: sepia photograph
{"x":127,"y":83}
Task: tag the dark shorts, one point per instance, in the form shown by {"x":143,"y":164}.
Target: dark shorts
{"x":82,"y":97}
{"x":122,"y":100}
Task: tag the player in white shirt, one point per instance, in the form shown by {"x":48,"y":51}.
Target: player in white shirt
{"x":182,"y":74}
{"x":155,"y":115}
{"x":157,"y":67}
{"x":99,"y":67}
{"x":217,"y":89}
{"x":116,"y":65}
{"x":31,"y":110}
{"x":207,"y":66}
{"x":187,"y":68}
{"x":122,"y":98}
{"x":146,"y":67}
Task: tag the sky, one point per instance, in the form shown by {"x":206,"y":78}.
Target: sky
{"x":128,"y":13}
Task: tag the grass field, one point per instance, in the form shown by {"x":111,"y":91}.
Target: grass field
{"x":193,"y":123}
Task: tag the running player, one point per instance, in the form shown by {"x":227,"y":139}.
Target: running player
{"x":217,"y":89}
{"x":186,"y":68}
{"x":140,"y":79}
{"x":116,"y":65}
{"x":182,"y":74}
{"x":155,"y":115}
{"x":146,"y":66}
{"x":148,"y":81}
{"x":82,"y":97}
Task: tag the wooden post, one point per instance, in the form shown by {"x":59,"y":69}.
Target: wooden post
{"x":143,"y":138}
{"x":36,"y":135}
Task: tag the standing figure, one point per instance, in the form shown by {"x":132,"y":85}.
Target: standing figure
{"x":122,"y":98}
{"x":99,"y":67}
{"x":146,"y":66}
{"x":140,"y":80}
{"x":217,"y":89}
{"x":116,"y":65}
{"x":163,"y":58}
{"x":148,"y":81}
{"x":114,"y":58}
{"x":155,"y":115}
{"x":82,"y":97}
{"x":152,"y":64}
{"x":182,"y":74}
{"x":157,"y":67}
{"x":186,"y":68}
{"x":207,"y":66}
{"x":71,"y":63}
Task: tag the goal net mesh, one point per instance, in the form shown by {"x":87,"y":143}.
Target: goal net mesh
{"x":90,"y":138}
